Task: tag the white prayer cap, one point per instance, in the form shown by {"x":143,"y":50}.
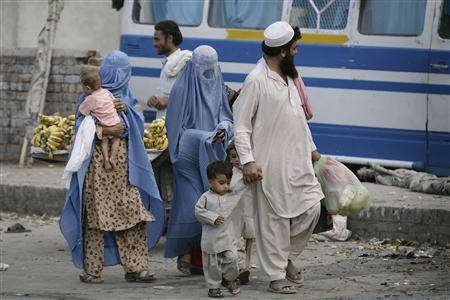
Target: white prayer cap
{"x":278,"y":34}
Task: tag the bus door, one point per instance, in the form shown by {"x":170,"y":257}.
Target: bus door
{"x":438,"y":101}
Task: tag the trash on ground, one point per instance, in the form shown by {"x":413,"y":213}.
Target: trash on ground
{"x":407,"y":252}
{"x":366,"y":255}
{"x":4,"y":267}
{"x":17,"y":228}
{"x":339,"y":232}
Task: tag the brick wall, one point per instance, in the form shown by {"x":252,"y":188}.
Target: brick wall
{"x":16,"y":69}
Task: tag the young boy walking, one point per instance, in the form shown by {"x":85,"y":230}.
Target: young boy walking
{"x":215,"y":210}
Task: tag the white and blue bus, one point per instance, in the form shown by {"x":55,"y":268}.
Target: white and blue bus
{"x":377,"y":71}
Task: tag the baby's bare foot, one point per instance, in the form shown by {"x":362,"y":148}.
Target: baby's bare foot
{"x":113,"y":163}
{"x":107,"y":165}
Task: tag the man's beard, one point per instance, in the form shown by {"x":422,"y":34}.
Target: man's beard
{"x":164,"y":50}
{"x":287,"y":66}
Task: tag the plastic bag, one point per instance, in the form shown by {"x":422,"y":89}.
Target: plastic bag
{"x":344,"y":193}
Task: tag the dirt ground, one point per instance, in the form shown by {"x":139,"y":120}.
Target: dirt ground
{"x":40,"y":268}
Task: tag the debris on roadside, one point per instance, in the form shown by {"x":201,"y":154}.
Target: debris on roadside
{"x":33,"y":220}
{"x":4,"y":267}
{"x":17,"y":228}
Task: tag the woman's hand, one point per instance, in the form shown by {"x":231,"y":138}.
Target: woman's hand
{"x":120,"y":106}
{"x":116,"y":130}
{"x":252,"y":172}
{"x":220,"y":136}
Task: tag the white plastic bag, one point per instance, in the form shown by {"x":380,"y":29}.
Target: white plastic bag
{"x":81,"y":148}
{"x":344,"y":193}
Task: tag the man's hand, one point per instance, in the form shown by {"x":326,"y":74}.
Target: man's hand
{"x":220,"y":136}
{"x":116,"y":130}
{"x":162,"y":103}
{"x":120,"y":106}
{"x":315,"y":155}
{"x":252,"y":172}
{"x":152,"y":101}
{"x":220,"y":220}
{"x":159,"y":103}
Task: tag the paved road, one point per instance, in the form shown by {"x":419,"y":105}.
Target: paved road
{"x":40,"y":268}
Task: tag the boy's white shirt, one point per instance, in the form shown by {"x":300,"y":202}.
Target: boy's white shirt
{"x":219,"y":238}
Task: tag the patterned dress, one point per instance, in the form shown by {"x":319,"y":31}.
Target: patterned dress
{"x":112,"y":204}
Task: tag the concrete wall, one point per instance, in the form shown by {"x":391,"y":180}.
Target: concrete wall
{"x":83,"y":24}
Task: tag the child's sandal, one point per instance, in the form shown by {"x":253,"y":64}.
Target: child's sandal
{"x":215,"y":293}
{"x":232,"y":287}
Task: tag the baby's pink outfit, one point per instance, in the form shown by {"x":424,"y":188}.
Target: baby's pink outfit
{"x":101,"y":105}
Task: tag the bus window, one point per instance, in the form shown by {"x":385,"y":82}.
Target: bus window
{"x":386,"y":17}
{"x":444,"y":25}
{"x":188,"y":13}
{"x":320,"y":14}
{"x":244,"y":13}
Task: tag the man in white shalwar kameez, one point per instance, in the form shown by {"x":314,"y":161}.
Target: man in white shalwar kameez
{"x":273,"y":139}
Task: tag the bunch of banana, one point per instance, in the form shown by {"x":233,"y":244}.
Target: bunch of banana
{"x":54,"y":133}
{"x":155,"y":135}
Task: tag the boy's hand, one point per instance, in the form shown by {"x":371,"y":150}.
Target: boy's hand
{"x":220,"y":220}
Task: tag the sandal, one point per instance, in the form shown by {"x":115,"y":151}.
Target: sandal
{"x":183,"y":266}
{"x":86,"y":278}
{"x":215,"y":293}
{"x":282,"y":286}
{"x":293,"y":275}
{"x":232,"y":286}
{"x":144,"y":276}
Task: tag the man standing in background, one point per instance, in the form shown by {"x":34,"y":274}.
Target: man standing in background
{"x":166,"y":41}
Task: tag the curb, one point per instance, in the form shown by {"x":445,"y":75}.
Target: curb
{"x":381,"y":220}
{"x":33,"y":200}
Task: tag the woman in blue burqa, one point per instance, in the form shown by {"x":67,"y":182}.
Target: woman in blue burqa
{"x":112,"y":218}
{"x":199,"y":125}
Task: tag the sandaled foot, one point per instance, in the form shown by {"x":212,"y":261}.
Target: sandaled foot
{"x":292,"y":274}
{"x":183,"y":266}
{"x":232,"y":286}
{"x":244,"y":277}
{"x":282,"y":286}
{"x":144,"y":276}
{"x":215,"y":293}
{"x":85,"y":278}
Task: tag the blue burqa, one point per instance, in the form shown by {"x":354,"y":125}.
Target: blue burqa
{"x":198,"y":108}
{"x":115,"y":72}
